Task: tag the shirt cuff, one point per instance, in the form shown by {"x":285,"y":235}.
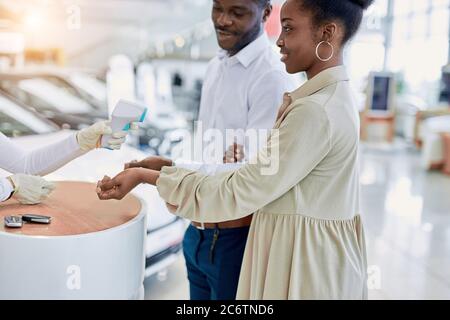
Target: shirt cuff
{"x":73,"y":143}
{"x":209,"y":169}
{"x":6,"y":189}
{"x":189,"y":165}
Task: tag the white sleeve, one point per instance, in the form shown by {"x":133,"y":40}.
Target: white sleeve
{"x":209,"y":169}
{"x":40,"y":161}
{"x":5,"y":189}
{"x":265,"y":98}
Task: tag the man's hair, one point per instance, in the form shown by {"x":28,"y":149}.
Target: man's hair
{"x":262,"y":3}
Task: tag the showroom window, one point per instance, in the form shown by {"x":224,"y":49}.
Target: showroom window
{"x":366,"y":50}
{"x":420,"y":30}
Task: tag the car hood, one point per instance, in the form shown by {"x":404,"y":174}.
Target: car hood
{"x":92,"y":166}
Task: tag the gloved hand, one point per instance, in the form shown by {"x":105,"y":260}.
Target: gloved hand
{"x":90,"y":138}
{"x":30,"y":189}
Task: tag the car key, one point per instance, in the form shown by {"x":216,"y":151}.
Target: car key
{"x":34,"y":218}
{"x":13,"y":221}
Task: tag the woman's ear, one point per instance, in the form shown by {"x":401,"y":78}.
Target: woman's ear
{"x":329,"y":31}
{"x":267,"y":12}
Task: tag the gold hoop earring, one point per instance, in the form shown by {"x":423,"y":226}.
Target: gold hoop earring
{"x":317,"y":51}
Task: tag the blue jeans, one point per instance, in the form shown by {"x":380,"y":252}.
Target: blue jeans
{"x":213,"y":270}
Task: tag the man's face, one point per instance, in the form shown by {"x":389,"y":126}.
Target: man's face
{"x":237,"y":22}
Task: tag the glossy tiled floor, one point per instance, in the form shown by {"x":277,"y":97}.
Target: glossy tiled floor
{"x":406,"y":213}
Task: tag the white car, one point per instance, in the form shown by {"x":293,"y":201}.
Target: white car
{"x":164,"y":231}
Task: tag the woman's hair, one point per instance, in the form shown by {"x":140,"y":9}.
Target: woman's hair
{"x":349,"y":12}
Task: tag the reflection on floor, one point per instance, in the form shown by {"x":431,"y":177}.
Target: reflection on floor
{"x":172,"y":285}
{"x":406,"y":213}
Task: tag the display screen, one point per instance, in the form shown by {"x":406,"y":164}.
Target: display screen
{"x":444,"y":95}
{"x":380,"y":95}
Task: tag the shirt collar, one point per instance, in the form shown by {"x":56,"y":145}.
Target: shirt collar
{"x":321,"y":80}
{"x":249,"y":53}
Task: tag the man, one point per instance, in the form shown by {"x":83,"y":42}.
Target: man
{"x":243,"y":89}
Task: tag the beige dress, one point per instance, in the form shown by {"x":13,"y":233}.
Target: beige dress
{"x":306,"y":240}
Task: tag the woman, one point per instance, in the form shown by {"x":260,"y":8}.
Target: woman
{"x":306,"y":239}
{"x":30,"y":189}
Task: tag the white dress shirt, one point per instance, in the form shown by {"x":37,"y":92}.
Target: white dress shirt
{"x":210,"y":169}
{"x":244,"y":91}
{"x":37,"y":162}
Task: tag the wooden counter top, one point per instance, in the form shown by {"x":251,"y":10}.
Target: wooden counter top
{"x":75,"y":209}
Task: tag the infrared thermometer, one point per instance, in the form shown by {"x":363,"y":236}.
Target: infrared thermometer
{"x":124,"y":113}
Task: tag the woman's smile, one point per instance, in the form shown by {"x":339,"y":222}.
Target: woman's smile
{"x":284,"y":55}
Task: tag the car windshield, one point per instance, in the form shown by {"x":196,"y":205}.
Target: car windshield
{"x":16,"y":121}
{"x":58,"y":82}
{"x":95,"y":88}
{"x":44,"y":95}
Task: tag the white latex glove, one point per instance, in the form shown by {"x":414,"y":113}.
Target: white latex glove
{"x":30,"y":189}
{"x":90,"y":138}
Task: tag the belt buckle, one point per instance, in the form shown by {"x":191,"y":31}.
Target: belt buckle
{"x":201,"y":227}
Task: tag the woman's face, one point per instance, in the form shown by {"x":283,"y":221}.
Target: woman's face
{"x":298,"y":38}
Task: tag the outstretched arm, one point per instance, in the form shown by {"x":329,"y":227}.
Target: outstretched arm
{"x":119,"y":186}
{"x":40,"y":161}
{"x":47,"y":159}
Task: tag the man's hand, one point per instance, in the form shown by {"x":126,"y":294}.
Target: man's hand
{"x":234,"y":153}
{"x":119,"y":186}
{"x":152,"y":163}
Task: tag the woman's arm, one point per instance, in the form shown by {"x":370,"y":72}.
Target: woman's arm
{"x":119,"y":186}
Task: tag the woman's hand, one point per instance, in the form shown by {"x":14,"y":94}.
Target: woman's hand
{"x":90,"y":137}
{"x":152,"y":163}
{"x":287,"y":101}
{"x":119,"y":186}
{"x":30,"y":189}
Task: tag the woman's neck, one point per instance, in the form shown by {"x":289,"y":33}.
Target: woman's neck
{"x":319,"y":67}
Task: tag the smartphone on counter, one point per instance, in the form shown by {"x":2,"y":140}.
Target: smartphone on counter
{"x":13,"y":221}
{"x":34,"y":218}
